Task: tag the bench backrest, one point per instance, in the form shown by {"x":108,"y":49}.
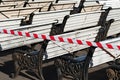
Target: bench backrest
{"x":44,"y":3}
{"x":46,"y":17}
{"x":91,"y":6}
{"x":82,"y":20}
{"x":8,"y":41}
{"x":76,"y":27}
{"x":86,"y":6}
{"x":60,"y":6}
{"x":9,"y":6}
{"x":17,"y":12}
{"x":114,"y":14}
{"x":19,"y":3}
{"x":76,"y":5}
{"x":11,"y":22}
{"x":114,"y":28}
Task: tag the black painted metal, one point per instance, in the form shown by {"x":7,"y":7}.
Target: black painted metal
{"x":1,"y":1}
{"x":113,"y":72}
{"x":26,"y":3}
{"x":50,"y":6}
{"x":56,"y":1}
{"x":79,"y":8}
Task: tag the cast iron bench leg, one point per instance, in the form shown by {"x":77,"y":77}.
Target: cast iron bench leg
{"x":26,"y":60}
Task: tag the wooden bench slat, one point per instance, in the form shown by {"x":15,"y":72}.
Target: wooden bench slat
{"x":33,"y":30}
{"x":44,"y":17}
{"x":114,"y":14}
{"x":53,"y":49}
{"x":16,"y":12}
{"x":91,"y":19}
{"x":18,"y":9}
{"x":39,"y":29}
{"x":62,"y":5}
{"x":61,"y":51}
{"x":102,"y":59}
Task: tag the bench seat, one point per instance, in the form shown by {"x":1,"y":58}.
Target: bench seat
{"x":101,"y":56}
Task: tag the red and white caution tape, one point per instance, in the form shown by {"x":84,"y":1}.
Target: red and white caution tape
{"x":61,"y":39}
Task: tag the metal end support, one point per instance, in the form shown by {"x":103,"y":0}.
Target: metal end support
{"x":0,"y":48}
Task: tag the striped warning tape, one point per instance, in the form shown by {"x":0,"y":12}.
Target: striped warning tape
{"x":61,"y":39}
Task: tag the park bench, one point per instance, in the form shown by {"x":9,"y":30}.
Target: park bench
{"x":73,"y":27}
{"x":78,"y":26}
{"x":102,"y":56}
{"x":11,"y":21}
{"x":14,"y":42}
{"x":72,"y":66}
{"x":68,"y":32}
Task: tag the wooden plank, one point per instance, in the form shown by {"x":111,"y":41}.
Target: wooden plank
{"x":82,"y":20}
{"x":18,"y":9}
{"x":19,"y":39}
{"x":61,"y":51}
{"x":44,"y":3}
{"x":114,"y":14}
{"x":19,"y":3}
{"x":10,"y":23}
{"x":77,"y":2}
{"x":45,"y":17}
{"x":60,"y":6}
{"x":38,"y":30}
{"x":101,"y":59}
{"x":114,"y":28}
{"x":13,"y":42}
{"x":55,"y":49}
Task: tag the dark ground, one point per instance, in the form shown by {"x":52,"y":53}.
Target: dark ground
{"x":50,"y":73}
